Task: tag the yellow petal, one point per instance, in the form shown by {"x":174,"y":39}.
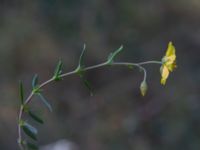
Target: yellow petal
{"x":163,"y":81}
{"x":171,"y":67}
{"x":164,"y":74}
{"x":170,"y":50}
{"x":170,"y":59}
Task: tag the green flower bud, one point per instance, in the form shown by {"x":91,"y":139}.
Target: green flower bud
{"x":143,"y":87}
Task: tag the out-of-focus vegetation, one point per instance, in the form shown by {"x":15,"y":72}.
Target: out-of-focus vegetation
{"x":34,"y":35}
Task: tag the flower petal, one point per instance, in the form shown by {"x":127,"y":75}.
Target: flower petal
{"x":164,"y":74}
{"x":170,"y":50}
{"x":171,"y":67}
{"x":170,"y":60}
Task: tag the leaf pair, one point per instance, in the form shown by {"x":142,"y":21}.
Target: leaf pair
{"x":37,"y":90}
{"x":31,"y":132}
{"x":80,"y":71}
{"x":29,"y":128}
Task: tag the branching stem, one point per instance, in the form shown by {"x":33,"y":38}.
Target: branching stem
{"x":29,"y":98}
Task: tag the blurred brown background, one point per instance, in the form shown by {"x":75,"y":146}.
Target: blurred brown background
{"x":35,"y":34}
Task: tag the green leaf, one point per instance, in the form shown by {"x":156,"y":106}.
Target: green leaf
{"x":21,"y":91}
{"x":85,"y":81}
{"x":35,"y":81}
{"x":82,"y":54}
{"x":58,"y":71}
{"x":30,"y":130}
{"x":80,"y":71}
{"x":35,"y":117}
{"x":80,"y":64}
{"x":88,"y":86}
{"x":35,"y":86}
{"x":32,"y":146}
{"x":45,"y":102}
{"x":114,"y":54}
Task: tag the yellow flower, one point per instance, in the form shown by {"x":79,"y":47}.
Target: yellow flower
{"x":168,"y":63}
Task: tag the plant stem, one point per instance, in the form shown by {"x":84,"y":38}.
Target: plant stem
{"x":29,"y":98}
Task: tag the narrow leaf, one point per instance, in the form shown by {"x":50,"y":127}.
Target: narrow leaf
{"x":31,"y":128}
{"x":80,"y":64}
{"x":81,"y":56}
{"x":45,"y":102}
{"x":114,"y":54}
{"x":30,"y":131}
{"x":32,"y":146}
{"x":88,"y":85}
{"x":58,"y":71}
{"x":81,"y":74}
{"x":35,"y":87}
{"x":21,"y":91}
{"x":35,"y":81}
{"x":35,"y":117}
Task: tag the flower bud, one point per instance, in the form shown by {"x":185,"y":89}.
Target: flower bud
{"x":143,"y":87}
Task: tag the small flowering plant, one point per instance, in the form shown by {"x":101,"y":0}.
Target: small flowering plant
{"x":27,"y":133}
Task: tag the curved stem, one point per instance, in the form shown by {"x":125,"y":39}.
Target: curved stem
{"x":29,"y":98}
{"x":139,"y":65}
{"x":150,"y":62}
